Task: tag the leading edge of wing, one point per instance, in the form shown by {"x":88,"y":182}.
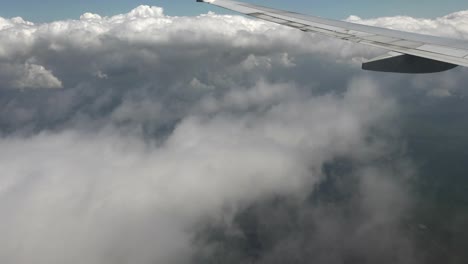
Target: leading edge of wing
{"x":450,"y":51}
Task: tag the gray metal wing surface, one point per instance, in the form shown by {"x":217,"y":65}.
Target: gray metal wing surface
{"x":409,"y":52}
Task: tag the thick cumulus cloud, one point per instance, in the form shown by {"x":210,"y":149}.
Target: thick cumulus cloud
{"x":454,"y":25}
{"x":199,"y":140}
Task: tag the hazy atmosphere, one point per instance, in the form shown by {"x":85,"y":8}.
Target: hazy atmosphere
{"x":148,"y":138}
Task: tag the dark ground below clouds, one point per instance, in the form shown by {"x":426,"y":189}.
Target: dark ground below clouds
{"x":327,"y":227}
{"x":437,"y":133}
{"x":434,"y":229}
{"x":437,"y":141}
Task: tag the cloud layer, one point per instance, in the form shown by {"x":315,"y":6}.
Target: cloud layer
{"x":168,"y":131}
{"x":454,"y":25}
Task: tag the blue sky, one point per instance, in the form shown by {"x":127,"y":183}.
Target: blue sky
{"x":48,"y":10}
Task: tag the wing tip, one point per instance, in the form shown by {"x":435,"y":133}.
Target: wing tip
{"x":404,"y":63}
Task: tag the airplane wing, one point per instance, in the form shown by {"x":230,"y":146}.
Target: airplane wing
{"x":409,"y":52}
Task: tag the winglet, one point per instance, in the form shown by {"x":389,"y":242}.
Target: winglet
{"x":403,"y":63}
{"x":206,"y":1}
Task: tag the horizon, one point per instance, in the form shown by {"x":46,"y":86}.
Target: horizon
{"x":42,"y":12}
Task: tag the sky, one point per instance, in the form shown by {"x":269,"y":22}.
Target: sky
{"x":151,"y":138}
{"x":48,"y":10}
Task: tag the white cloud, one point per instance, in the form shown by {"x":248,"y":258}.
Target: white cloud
{"x":27,"y":76}
{"x":454,"y":25}
{"x":36,"y":76}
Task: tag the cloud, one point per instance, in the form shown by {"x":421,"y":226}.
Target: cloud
{"x":454,"y":25}
{"x":35,"y":76}
{"x":166,"y":126}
